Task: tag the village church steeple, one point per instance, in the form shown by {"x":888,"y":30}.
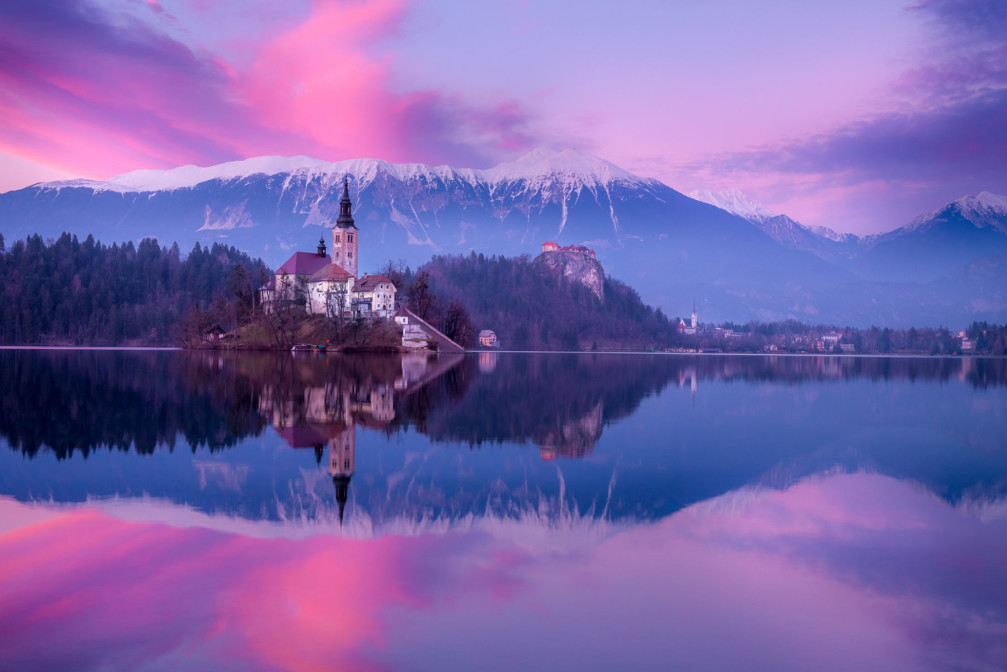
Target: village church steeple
{"x":344,"y":234}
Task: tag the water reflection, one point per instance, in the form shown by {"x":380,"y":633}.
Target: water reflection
{"x":493,"y":512}
{"x":78,"y":401}
{"x":386,"y":444}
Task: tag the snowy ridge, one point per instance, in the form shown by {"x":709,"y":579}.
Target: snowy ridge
{"x":826,"y":232}
{"x":734,"y":202}
{"x":779,"y":227}
{"x":538,"y":169}
{"x":573,"y":168}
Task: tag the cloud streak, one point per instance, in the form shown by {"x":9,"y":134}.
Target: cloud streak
{"x":941,"y":129}
{"x":99,"y":89}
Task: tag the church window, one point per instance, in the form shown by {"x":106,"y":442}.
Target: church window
{"x":349,"y":237}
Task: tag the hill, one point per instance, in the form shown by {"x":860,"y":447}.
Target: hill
{"x":533,"y":305}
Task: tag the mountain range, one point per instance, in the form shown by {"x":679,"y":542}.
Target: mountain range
{"x":736,"y":260}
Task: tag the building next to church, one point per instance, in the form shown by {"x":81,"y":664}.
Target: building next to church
{"x":324,"y":284}
{"x":374,"y":294}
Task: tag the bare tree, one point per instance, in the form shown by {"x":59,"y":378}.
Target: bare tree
{"x":336,"y":303}
{"x":287,"y":307}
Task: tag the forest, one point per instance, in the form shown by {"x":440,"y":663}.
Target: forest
{"x":68,"y":292}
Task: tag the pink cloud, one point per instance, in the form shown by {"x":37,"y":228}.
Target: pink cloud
{"x":97,"y":93}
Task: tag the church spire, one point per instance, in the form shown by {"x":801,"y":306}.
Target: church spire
{"x":345,"y":220}
{"x":342,"y":484}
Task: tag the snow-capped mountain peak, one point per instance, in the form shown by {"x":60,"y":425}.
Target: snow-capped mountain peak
{"x":979,"y":208}
{"x":985,"y":210}
{"x":567,"y":165}
{"x":734,"y":202}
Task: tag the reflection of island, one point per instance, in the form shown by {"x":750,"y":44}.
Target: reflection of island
{"x":64,"y":404}
{"x":328,"y":412}
{"x":72,"y":402}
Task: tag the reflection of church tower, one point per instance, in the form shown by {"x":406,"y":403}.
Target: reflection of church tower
{"x":342,"y":456}
{"x":344,"y":234}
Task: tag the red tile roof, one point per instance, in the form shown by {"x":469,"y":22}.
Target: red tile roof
{"x":304,"y":263}
{"x":331,"y":273}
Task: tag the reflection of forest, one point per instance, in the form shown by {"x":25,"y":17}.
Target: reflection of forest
{"x":561,"y":401}
{"x":76,"y":401}
{"x":79,"y":400}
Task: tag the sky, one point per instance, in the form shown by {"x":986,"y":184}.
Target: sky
{"x":859,"y":116}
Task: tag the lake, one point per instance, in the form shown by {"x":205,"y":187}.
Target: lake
{"x":165,"y":510}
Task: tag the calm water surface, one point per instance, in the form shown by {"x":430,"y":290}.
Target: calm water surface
{"x":171,"y":510}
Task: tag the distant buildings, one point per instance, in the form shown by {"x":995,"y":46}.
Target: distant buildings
{"x":488,"y":339}
{"x":554,"y":247}
{"x":691,"y":328}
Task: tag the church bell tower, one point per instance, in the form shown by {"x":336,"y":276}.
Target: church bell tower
{"x":345,"y":234}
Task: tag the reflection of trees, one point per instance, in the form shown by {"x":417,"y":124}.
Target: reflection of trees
{"x":553,"y":399}
{"x":977,"y":371}
{"x":79,"y":401}
{"x":547,"y":399}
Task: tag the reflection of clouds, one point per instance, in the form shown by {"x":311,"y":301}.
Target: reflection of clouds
{"x":224,"y":475}
{"x":878,"y":534}
{"x":531,"y":520}
{"x":986,"y":509}
{"x":835,"y":572}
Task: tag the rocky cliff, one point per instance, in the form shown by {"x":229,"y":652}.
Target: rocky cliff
{"x":578,"y":264}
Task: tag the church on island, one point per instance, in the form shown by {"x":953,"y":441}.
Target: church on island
{"x":329,"y":285}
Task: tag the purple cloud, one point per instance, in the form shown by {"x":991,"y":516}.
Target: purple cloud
{"x":942,"y":132}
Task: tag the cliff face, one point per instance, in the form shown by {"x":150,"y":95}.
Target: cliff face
{"x":578,"y":265}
